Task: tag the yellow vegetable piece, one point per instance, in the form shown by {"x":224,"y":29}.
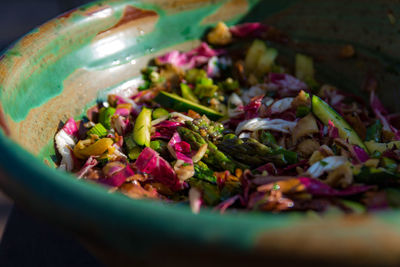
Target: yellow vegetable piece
{"x":98,"y":148}
{"x":381,"y":147}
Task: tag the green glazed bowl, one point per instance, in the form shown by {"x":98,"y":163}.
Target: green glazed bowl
{"x":59,"y":69}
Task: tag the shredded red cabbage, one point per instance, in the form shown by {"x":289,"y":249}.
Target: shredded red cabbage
{"x":116,"y":173}
{"x":360,"y":153}
{"x":248,"y":30}
{"x":89,"y":164}
{"x":180,"y":148}
{"x":150,"y":162}
{"x":191,"y":59}
{"x":317,"y":188}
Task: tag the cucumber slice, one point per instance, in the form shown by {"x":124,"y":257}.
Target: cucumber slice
{"x":159,"y":112}
{"x":325,"y":114}
{"x":256,"y":50}
{"x":141,"y":130}
{"x":266,"y":61}
{"x":304,"y":67}
{"x":381,"y":147}
{"x":180,"y":104}
{"x":188,"y":93}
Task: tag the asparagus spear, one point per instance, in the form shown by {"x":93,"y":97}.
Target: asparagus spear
{"x":213,"y":156}
{"x":202,"y":172}
{"x":252,"y":152}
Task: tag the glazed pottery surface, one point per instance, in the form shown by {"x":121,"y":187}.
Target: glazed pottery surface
{"x":61,"y":68}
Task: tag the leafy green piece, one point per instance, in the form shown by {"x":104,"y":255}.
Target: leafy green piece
{"x":389,"y":164}
{"x":302,"y":111}
{"x":134,"y":153}
{"x":210,"y":192}
{"x":374,"y":132}
{"x":98,"y":130}
{"x":188,"y":93}
{"x":105,"y":115}
{"x":229,"y":85}
{"x":159,"y":112}
{"x":205,"y":88}
{"x":194,"y":75}
{"x":376,"y":176}
{"x":230,"y":189}
{"x":268,"y":139}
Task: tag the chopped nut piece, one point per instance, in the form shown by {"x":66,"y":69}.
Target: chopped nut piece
{"x":307,"y":147}
{"x":306,"y":126}
{"x":315,"y":157}
{"x":220,"y":35}
{"x":354,"y":120}
{"x":342,"y":177}
{"x":372,"y":163}
{"x":302,"y":99}
{"x":347,"y":51}
{"x":183,"y":171}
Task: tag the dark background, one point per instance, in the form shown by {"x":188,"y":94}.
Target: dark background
{"x":18,"y":17}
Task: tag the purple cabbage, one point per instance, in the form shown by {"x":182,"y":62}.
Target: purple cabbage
{"x":285,"y":84}
{"x":333,"y":131}
{"x":381,"y":113}
{"x":166,"y":129}
{"x":269,"y":167}
{"x":150,"y":162}
{"x":89,"y":164}
{"x":122,"y":112}
{"x":70,"y":127}
{"x":223,"y":206}
{"x":317,"y":188}
{"x":360,"y":153}
{"x":116,"y":173}
{"x":251,"y":109}
{"x":180,"y":148}
{"x":194,"y":58}
{"x":249,"y":30}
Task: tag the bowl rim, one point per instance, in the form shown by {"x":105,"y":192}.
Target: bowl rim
{"x":46,"y":183}
{"x":238,"y":230}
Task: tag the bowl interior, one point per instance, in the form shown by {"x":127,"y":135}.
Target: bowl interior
{"x":61,"y":68}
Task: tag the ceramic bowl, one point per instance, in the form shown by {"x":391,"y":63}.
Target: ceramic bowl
{"x":59,"y":69}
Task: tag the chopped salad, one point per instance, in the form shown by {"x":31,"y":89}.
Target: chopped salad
{"x":235,"y":129}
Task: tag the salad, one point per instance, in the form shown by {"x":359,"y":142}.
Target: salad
{"x":227,"y":126}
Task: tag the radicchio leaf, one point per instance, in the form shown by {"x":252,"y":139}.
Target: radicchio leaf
{"x":360,"y":153}
{"x":116,"y":173}
{"x":166,"y":129}
{"x":285,"y":84}
{"x":251,"y":109}
{"x":196,"y":57}
{"x":65,"y":141}
{"x":89,"y":164}
{"x":179,"y":148}
{"x":246,"y":30}
{"x":317,"y":188}
{"x":149,"y":161}
{"x":381,"y":113}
